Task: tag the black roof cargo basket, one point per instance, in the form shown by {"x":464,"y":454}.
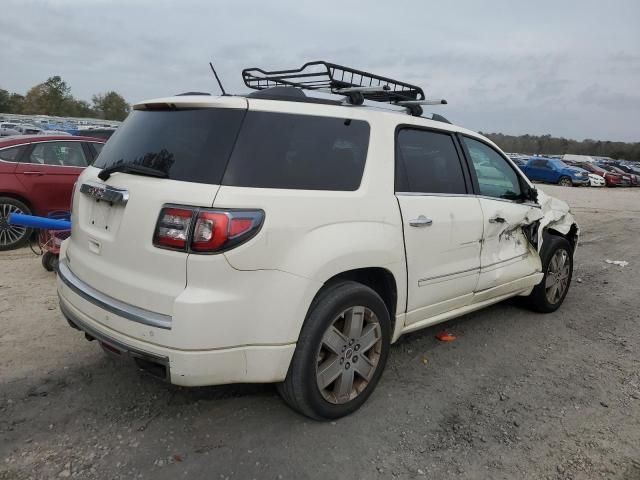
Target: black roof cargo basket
{"x":356,"y":85}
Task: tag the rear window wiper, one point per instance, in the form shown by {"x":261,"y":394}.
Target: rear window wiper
{"x":131,"y":168}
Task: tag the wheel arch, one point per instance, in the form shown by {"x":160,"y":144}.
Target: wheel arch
{"x":571,"y":236}
{"x":18,"y":197}
{"x":379,"y":279}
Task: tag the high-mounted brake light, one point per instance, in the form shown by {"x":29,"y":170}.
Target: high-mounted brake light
{"x":213,"y":231}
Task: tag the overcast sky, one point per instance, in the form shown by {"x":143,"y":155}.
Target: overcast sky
{"x":569,"y":68}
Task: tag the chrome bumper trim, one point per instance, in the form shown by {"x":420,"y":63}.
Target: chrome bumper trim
{"x":122,"y":309}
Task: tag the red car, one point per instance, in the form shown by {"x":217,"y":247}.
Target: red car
{"x":627,"y":179}
{"x":633,"y":178}
{"x":37,"y":173}
{"x":611,"y":178}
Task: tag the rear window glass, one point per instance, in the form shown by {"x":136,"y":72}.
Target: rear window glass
{"x":188,"y":145}
{"x":276,"y":150}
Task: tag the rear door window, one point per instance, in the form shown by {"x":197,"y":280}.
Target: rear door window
{"x":278,"y":150}
{"x":188,"y":145}
{"x":62,"y":154}
{"x":428,"y":162}
{"x":11,"y":154}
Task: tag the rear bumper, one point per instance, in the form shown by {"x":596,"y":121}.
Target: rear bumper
{"x":246,"y":364}
{"x":244,"y":330}
{"x":157,"y":365}
{"x":110,"y":304}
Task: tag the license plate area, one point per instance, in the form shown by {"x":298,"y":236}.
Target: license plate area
{"x":105,"y":206}
{"x":104,"y":217}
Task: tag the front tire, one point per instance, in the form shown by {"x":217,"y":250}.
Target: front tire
{"x":557,"y":264}
{"x":12,"y":236}
{"x":340,"y":354}
{"x":565,"y":182}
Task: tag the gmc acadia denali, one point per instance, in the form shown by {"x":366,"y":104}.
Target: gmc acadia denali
{"x":281,"y":237}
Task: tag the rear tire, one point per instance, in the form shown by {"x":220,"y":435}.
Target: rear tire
{"x":565,"y":182}
{"x":557,"y":265}
{"x":340,"y":354}
{"x":12,"y":236}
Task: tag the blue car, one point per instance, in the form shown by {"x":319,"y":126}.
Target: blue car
{"x":553,"y":170}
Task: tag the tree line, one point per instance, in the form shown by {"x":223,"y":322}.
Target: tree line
{"x":548,"y":145}
{"x":53,"y":97}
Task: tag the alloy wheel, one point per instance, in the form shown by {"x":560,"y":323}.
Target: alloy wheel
{"x":10,"y":234}
{"x":565,"y":182}
{"x":557,"y":280}
{"x":348,"y":355}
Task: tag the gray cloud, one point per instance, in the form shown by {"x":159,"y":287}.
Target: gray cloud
{"x":566,"y":68}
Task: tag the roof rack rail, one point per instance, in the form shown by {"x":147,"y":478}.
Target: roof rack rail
{"x":356,"y":85}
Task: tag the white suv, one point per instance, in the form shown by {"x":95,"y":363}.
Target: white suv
{"x":278,"y":237}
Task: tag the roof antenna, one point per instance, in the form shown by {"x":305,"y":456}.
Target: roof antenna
{"x":217,"y":79}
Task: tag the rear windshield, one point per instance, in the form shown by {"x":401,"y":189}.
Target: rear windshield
{"x":280,"y":150}
{"x":272,"y":150}
{"x":188,"y":145}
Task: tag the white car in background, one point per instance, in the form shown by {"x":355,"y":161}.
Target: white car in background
{"x":28,"y":129}
{"x":8,"y":129}
{"x":276,"y":237}
{"x":596,"y":180}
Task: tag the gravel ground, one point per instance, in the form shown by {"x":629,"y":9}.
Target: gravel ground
{"x":517,"y":395}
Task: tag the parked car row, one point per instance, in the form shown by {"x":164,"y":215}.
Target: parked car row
{"x":45,"y":125}
{"x":571,"y":173}
{"x":37,"y":174}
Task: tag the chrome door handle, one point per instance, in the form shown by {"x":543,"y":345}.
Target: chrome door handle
{"x":421,"y":221}
{"x":33,"y":173}
{"x":497,"y":220}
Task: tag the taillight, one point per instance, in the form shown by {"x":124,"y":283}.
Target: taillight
{"x":173,"y":227}
{"x":213,"y":231}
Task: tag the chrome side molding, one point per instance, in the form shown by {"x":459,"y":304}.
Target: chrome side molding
{"x":101,"y":191}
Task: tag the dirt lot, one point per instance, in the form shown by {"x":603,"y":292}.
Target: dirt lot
{"x":517,"y":395}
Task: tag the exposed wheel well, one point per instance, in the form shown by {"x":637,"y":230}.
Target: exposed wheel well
{"x":379,"y":280}
{"x":571,"y":236}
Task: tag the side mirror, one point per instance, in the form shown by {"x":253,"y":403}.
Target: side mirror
{"x":532,"y":194}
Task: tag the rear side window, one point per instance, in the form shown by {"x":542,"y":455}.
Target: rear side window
{"x":428,"y":162}
{"x":10,"y":154}
{"x":64,"y":154}
{"x":277,"y":150}
{"x":188,"y":145}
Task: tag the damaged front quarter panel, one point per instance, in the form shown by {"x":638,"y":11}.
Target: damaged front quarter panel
{"x":551,"y":214}
{"x":556,"y":216}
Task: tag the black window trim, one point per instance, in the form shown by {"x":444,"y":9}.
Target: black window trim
{"x":463,"y":164}
{"x":89,"y":154}
{"x":524,"y":185}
